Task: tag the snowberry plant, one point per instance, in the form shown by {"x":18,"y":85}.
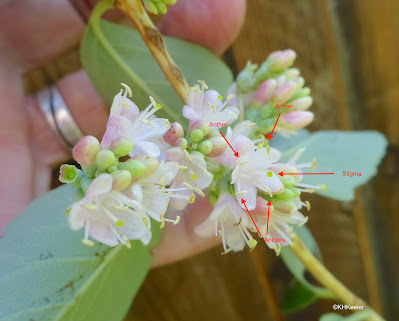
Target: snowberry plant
{"x":238,"y":143}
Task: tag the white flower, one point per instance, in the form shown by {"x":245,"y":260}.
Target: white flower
{"x":230,"y":221}
{"x":252,"y":171}
{"x":105,"y":216}
{"x":227,"y":158}
{"x":192,"y":173}
{"x":142,"y":128}
{"x":206,"y":107}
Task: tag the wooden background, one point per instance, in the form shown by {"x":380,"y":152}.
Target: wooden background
{"x":348,"y":52}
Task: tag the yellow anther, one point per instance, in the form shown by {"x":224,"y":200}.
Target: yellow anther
{"x":307,"y":205}
{"x":259,"y":146}
{"x":252,"y":243}
{"x":310,"y":191}
{"x":177,"y":220}
{"x":238,"y":223}
{"x":277,"y":249}
{"x":162,"y":221}
{"x":240,"y":193}
{"x":213,"y":106}
{"x":191,"y":199}
{"x":89,"y":206}
{"x":188,"y":185}
{"x":127,"y":88}
{"x":195,"y":89}
{"x":208,"y":174}
{"x":144,"y":219}
{"x":145,"y":121}
{"x":124,"y":104}
{"x":167,"y":123}
{"x":230,"y":97}
{"x":323,"y":187}
{"x":242,"y":162}
{"x":268,"y":150}
{"x":220,"y":97}
{"x":267,"y":188}
{"x":158,"y":106}
{"x":314,"y":164}
{"x":225,"y":252}
{"x":187,"y":155}
{"x":232,"y":114}
{"x":219,"y":234}
{"x":182,"y":167}
{"x":304,"y":221}
{"x":199,"y":192}
{"x":251,"y":124}
{"x":88,"y":242}
{"x":68,"y":210}
{"x":203,"y":84}
{"x":152,"y":100}
{"x":127,"y":241}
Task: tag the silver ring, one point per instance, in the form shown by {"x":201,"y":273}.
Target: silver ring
{"x":58,"y":116}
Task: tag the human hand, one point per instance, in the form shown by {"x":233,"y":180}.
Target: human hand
{"x":33,"y":33}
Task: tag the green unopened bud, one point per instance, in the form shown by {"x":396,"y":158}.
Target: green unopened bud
{"x":104,"y":159}
{"x":286,"y":194}
{"x":287,"y":181}
{"x":134,"y":167}
{"x":219,"y":145}
{"x":120,"y":179}
{"x":77,"y":194}
{"x":284,"y":206}
{"x":150,"y":7}
{"x":245,"y":78}
{"x":85,"y":183}
{"x":90,"y":171}
{"x":196,"y":135}
{"x":71,"y":175}
{"x":86,"y":149}
{"x":182,"y":143}
{"x":162,"y":8}
{"x":295,"y":191}
{"x":169,"y":2}
{"x":265,"y":112}
{"x":194,"y":152}
{"x":214,"y":133}
{"x":121,"y":146}
{"x":206,"y":147}
{"x":112,"y":169}
{"x":304,"y":92}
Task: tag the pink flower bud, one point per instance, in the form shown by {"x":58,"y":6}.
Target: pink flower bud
{"x":292,"y":73}
{"x":86,"y":150}
{"x":297,"y":119}
{"x":174,"y":132}
{"x":265,"y":91}
{"x":281,"y":59}
{"x":301,"y":103}
{"x":284,"y":92}
{"x":219,"y":146}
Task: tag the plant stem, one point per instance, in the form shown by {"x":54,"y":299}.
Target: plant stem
{"x":328,"y":280}
{"x":153,"y":39}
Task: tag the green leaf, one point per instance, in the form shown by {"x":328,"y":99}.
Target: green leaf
{"x":47,"y":274}
{"x":296,"y":297}
{"x":335,"y":152}
{"x":112,"y":54}
{"x":301,"y":294}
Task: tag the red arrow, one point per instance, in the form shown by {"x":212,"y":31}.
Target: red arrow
{"x":243,"y":202}
{"x":282,"y":174}
{"x":268,"y":212}
{"x":235,"y":153}
{"x":270,"y":135}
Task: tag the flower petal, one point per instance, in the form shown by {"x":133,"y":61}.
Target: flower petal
{"x":100,"y":185}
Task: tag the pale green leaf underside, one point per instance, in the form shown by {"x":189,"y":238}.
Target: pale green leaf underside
{"x":112,"y":54}
{"x":47,"y":274}
{"x":335,"y":152}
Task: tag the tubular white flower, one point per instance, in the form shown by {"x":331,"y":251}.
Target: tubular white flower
{"x":230,"y":221}
{"x":252,"y":171}
{"x":192,"y":172}
{"x":207,"y":106}
{"x":105,"y":216}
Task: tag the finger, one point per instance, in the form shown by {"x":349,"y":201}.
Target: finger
{"x":15,"y":160}
{"x":87,"y":110}
{"x":180,"y":241}
{"x":213,"y":24}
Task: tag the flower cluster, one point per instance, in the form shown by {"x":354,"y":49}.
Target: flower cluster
{"x":144,"y":163}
